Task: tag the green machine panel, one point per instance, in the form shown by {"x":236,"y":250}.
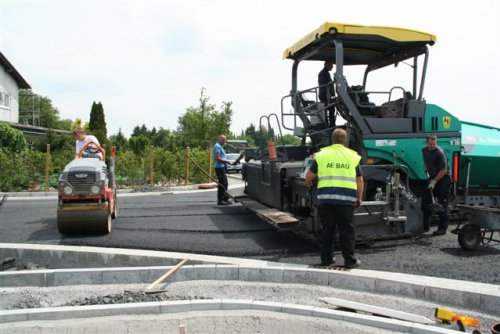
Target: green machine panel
{"x":408,"y":152}
{"x":439,"y":120}
{"x":480,"y":148}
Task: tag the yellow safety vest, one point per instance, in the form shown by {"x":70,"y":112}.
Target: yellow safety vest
{"x":337,"y":175}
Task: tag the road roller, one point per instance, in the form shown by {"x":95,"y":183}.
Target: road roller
{"x":87,"y":192}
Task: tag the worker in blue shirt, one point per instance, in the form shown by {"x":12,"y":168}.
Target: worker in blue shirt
{"x":221,"y":170}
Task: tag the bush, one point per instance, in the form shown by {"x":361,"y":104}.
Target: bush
{"x":129,"y":165}
{"x":12,"y":139}
{"x":25,"y":168}
{"x":199,"y":157}
{"x":15,"y":175}
{"x":58,"y":160}
{"x":166,"y":166}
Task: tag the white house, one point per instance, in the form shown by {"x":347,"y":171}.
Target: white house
{"x":10,"y":84}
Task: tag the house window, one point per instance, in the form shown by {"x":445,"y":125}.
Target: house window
{"x":5,"y":100}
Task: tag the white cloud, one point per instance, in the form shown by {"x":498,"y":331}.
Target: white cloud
{"x":147,"y":60}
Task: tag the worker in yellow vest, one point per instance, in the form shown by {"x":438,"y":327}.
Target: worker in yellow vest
{"x":340,"y":190}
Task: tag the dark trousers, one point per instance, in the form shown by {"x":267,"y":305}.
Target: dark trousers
{"x":333,"y":216}
{"x":222,"y":180}
{"x":441,"y":195}
{"x":330,"y":113}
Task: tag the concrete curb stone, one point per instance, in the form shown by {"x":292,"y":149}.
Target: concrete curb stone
{"x":60,"y":313}
{"x":485,"y":299}
{"x":112,"y":266}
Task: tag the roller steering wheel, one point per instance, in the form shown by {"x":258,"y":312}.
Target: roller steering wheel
{"x":91,"y":148}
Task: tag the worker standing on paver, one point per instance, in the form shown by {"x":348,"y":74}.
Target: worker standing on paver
{"x":327,"y":91}
{"x":340,"y":190}
{"x":436,"y":166}
{"x":220,"y":164}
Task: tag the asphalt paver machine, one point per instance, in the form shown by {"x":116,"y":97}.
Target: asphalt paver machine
{"x":87,"y":193}
{"x":387,"y":123}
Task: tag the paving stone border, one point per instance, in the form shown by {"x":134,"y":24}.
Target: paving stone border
{"x":470,"y":295}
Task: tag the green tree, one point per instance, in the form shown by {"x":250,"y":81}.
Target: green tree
{"x":261,"y":137}
{"x":204,"y":122}
{"x":250,"y":131}
{"x":97,"y":123}
{"x":57,"y":142}
{"x":289,"y":139}
{"x":66,"y":124}
{"x":14,"y":175}
{"x":163,"y":138}
{"x":13,"y":159}
{"x":12,"y":139}
{"x":129,"y":166}
{"x":31,"y":105}
{"x":118,"y":140}
{"x":141,"y":131}
{"x":139,"y":145}
{"x":250,"y":135}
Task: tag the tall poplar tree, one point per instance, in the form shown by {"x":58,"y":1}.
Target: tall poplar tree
{"x":97,"y":123}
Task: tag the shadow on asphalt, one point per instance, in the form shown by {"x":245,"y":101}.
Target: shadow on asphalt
{"x":480,"y":251}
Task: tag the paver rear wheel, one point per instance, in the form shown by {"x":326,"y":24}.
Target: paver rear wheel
{"x":470,"y":237}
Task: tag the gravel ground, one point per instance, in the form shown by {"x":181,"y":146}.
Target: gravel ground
{"x":424,"y":254}
{"x":12,"y":264}
{"x":30,"y":297}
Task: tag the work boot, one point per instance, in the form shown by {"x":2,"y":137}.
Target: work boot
{"x":439,"y":231}
{"x":352,"y":263}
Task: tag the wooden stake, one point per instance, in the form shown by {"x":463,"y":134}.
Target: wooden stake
{"x":186,"y":170}
{"x":47,"y":167}
{"x":167,"y":274}
{"x":209,"y":163}
{"x":151,"y":166}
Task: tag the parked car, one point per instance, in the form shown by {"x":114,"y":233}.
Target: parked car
{"x":233,"y":157}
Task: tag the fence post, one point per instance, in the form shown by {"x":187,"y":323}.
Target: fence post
{"x":47,"y":166}
{"x":209,"y":164}
{"x":33,"y":184}
{"x":151,"y":165}
{"x":186,"y":171}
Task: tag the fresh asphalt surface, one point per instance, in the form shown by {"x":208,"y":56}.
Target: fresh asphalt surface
{"x":192,"y":222}
{"x":189,"y":222}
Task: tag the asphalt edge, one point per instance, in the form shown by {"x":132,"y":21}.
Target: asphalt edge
{"x":23,"y":196}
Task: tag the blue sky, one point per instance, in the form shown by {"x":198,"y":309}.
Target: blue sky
{"x":146,"y":61}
